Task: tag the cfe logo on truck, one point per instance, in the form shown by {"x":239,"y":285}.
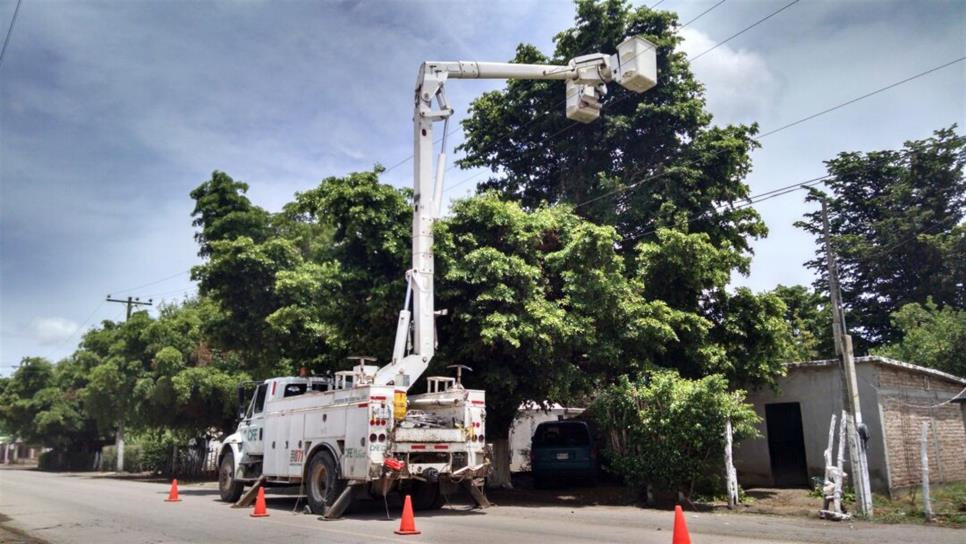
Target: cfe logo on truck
{"x":295,"y":457}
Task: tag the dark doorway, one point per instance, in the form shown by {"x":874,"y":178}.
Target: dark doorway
{"x":786,"y":444}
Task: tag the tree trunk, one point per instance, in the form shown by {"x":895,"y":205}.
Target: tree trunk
{"x":120,"y":446}
{"x":500,"y":475}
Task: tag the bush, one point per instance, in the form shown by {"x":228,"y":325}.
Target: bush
{"x":63,"y":460}
{"x":667,"y":431}
{"x":133,"y":461}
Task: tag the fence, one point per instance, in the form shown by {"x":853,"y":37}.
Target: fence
{"x":197,"y":460}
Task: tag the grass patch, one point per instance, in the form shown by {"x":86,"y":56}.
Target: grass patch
{"x":948,"y":505}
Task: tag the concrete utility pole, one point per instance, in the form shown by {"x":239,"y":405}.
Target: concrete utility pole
{"x":131,"y":302}
{"x":850,"y":388}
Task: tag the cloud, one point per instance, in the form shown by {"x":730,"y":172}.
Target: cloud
{"x":739,"y":83}
{"x":49,"y":331}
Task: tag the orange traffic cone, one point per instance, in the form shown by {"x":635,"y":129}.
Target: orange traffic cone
{"x":173,"y":494}
{"x":681,"y":535}
{"x":260,"y":511}
{"x":407,"y":526}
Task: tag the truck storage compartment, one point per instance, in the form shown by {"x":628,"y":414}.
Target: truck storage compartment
{"x":403,"y":434}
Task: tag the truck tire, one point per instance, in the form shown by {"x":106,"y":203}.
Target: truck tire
{"x":322,"y":482}
{"x":427,"y":496}
{"x":229,"y":488}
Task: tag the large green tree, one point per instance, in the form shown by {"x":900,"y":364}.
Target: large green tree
{"x":896,"y":225}
{"x":41,"y":403}
{"x":540,"y":307}
{"x":326,"y":284}
{"x":931,"y":336}
{"x":539,"y":156}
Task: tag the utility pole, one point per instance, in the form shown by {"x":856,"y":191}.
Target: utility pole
{"x":131,"y":302}
{"x":850,"y":388}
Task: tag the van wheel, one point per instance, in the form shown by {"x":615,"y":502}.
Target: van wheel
{"x":229,"y":488}
{"x":323,"y":485}
{"x":426,"y":496}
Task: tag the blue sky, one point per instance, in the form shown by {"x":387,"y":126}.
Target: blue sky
{"x":111,"y":112}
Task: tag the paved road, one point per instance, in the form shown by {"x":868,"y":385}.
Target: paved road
{"x":82,"y":508}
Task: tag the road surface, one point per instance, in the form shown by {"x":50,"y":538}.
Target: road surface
{"x":75,"y":508}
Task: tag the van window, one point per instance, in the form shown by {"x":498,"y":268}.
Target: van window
{"x":260,"y":398}
{"x":295,"y":389}
{"x":558,"y":435}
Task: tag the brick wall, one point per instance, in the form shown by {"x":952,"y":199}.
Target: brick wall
{"x":905,"y":396}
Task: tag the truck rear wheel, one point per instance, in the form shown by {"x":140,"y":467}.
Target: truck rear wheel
{"x":323,"y":484}
{"x":230,"y":488}
{"x":427,"y":496}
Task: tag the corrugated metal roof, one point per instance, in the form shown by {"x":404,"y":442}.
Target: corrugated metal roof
{"x":887,"y":362}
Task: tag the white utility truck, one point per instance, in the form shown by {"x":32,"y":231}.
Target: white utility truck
{"x":361,"y":429}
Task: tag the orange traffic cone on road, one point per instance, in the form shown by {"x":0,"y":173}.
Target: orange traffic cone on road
{"x":407,"y":526}
{"x":681,"y":535}
{"x":260,"y":511}
{"x":173,"y":494}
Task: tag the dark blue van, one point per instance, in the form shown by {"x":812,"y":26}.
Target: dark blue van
{"x":563,"y":450}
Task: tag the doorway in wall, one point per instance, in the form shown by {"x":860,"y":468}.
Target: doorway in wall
{"x":786,"y":444}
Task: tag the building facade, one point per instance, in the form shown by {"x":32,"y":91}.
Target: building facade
{"x":895,"y":398}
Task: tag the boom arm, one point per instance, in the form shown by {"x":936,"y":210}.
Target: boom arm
{"x":634,"y":67}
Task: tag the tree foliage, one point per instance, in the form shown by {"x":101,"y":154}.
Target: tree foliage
{"x":932,"y":336}
{"x":666,"y":431}
{"x":541,"y":157}
{"x":540,"y":305}
{"x":41,"y":404}
{"x":896,"y":224}
{"x":808,"y":314}
{"x":325,"y":284}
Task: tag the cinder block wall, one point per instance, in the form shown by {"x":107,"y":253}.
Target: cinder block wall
{"x":906,"y":398}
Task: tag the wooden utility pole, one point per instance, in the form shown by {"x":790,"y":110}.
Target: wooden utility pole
{"x":131,"y":302}
{"x":850,"y":389}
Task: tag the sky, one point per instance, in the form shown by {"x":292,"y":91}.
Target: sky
{"x":112,"y":111}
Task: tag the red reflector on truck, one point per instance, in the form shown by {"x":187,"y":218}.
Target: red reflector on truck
{"x":374,"y":397}
{"x":362,"y":404}
{"x":440,"y":447}
{"x":418,"y":447}
{"x":479,"y":402}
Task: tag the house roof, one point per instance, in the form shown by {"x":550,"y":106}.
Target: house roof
{"x":887,"y":362}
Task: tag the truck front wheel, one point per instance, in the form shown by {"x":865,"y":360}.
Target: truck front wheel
{"x":323,"y":484}
{"x":230,"y":488}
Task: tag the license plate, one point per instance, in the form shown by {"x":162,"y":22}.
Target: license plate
{"x":563,"y":456}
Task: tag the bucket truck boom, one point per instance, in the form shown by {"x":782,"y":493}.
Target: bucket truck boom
{"x":634,"y":67}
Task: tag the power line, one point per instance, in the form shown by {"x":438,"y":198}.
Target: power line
{"x":746,"y":29}
{"x":867,"y":95}
{"x":6,"y":39}
{"x":164,"y":279}
{"x":781,"y":128}
{"x":79,"y":329}
{"x":703,"y":13}
{"x":751,"y":201}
